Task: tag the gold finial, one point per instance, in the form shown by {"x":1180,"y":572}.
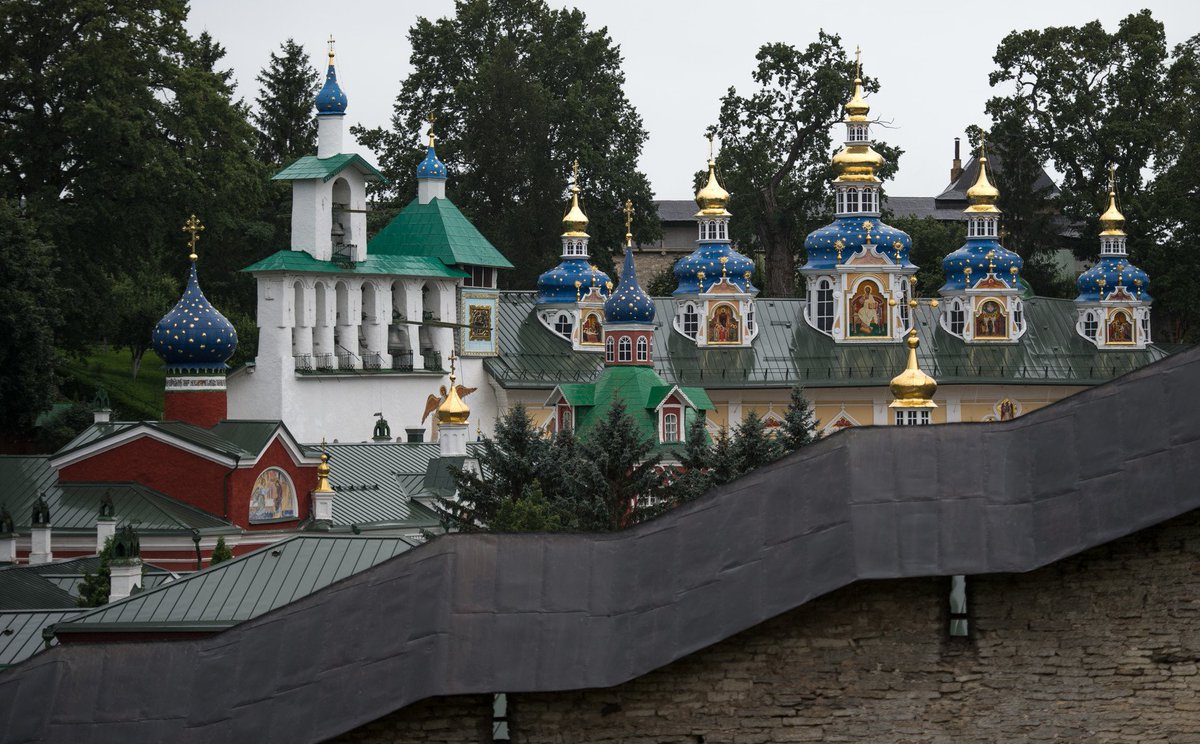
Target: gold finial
{"x":330,"y":42}
{"x":431,"y":118}
{"x":323,"y":471}
{"x":1138,"y":283}
{"x":453,"y":410}
{"x":1112,"y":222}
{"x":912,"y":388}
{"x":983,"y":194}
{"x":574,"y":221}
{"x":628,"y":223}
{"x":194,"y":227}
{"x":712,"y":199}
{"x":991,"y":256}
{"x":857,"y":108}
{"x":747,"y":276}
{"x":839,"y":245}
{"x":578,"y":284}
{"x":700,"y":276}
{"x":724,"y":260}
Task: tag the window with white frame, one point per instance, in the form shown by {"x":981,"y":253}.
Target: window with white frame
{"x":608,"y":349}
{"x":563,"y":325}
{"x":841,"y":201}
{"x":670,"y":427}
{"x":1091,"y":324}
{"x":958,"y":317}
{"x":691,"y":321}
{"x":642,"y":349}
{"x":1144,"y":325}
{"x":912,"y":417}
{"x":868,"y":200}
{"x":625,"y":350}
{"x":851,"y":200}
{"x":904,"y":316}
{"x":480,"y":276}
{"x":750,"y":320}
{"x":1018,"y":315}
{"x":824,"y":305}
{"x":722,"y":231}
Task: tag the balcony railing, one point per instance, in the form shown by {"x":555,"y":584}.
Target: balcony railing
{"x":325,"y":361}
{"x":304,"y":362}
{"x":432,"y":359}
{"x":372,"y":360}
{"x":402,"y":360}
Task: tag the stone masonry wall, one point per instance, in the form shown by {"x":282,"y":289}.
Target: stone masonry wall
{"x":462,"y":719}
{"x":1102,"y":647}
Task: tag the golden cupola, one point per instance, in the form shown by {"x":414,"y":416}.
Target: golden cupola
{"x":453,"y":410}
{"x":712,"y":199}
{"x":912,"y":388}
{"x":857,"y":107}
{"x":983,"y":195}
{"x":1112,"y":222}
{"x":857,"y":161}
{"x":574,"y":221}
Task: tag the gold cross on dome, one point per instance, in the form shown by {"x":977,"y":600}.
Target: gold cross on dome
{"x":857,"y":61}
{"x":628,"y":214}
{"x":982,"y":144}
{"x":194,"y":227}
{"x":431,"y":118}
{"x":575,"y":171}
{"x":330,"y":42}
{"x":1112,"y":176}
{"x":710,"y":145}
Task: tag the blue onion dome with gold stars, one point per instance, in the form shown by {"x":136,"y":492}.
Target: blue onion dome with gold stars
{"x":431,"y":167}
{"x":831,"y":246}
{"x":331,"y":101}
{"x":982,"y":253}
{"x":194,"y":334}
{"x":703,"y":267}
{"x":628,"y":303}
{"x":575,"y":275}
{"x":1113,"y":270}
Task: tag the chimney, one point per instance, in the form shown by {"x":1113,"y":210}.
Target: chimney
{"x":39,"y":542}
{"x":101,"y":408}
{"x":8,"y":537}
{"x":323,"y":495}
{"x":106,"y":523}
{"x":956,"y":166}
{"x":125,"y":566}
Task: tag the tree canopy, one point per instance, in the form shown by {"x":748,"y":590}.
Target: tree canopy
{"x":283,"y":112}
{"x":519,"y":91}
{"x":775,"y":153}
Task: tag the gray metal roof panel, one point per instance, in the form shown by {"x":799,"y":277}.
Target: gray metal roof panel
{"x":21,"y":589}
{"x":21,"y":632}
{"x":376,"y":482}
{"x":676,"y":210}
{"x":543,"y":612}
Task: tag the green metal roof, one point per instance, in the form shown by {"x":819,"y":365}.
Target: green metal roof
{"x":246,"y":434}
{"x":788,"y":351}
{"x":299,"y":261}
{"x":235,"y":591}
{"x":376,"y":483}
{"x":22,"y":589}
{"x":21,"y":633}
{"x":310,"y":166}
{"x":75,"y":506}
{"x":641,"y":389}
{"x":437,"y":230}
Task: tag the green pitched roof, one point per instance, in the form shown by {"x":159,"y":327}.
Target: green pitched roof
{"x":637,"y":387}
{"x":21,"y":633}
{"x":310,"y":166}
{"x":299,"y":261}
{"x":21,"y":589}
{"x":788,"y":351}
{"x":235,"y":591}
{"x":436,"y":230}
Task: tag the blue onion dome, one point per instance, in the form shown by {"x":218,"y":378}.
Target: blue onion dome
{"x":431,"y":167}
{"x":1113,"y":268}
{"x":194,"y":334}
{"x":331,"y":101}
{"x":706,"y":260}
{"x":628,"y":303}
{"x":557,"y":286}
{"x":850,"y":232}
{"x":982,"y":253}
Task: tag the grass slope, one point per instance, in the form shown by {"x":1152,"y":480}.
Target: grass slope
{"x":110,"y":369}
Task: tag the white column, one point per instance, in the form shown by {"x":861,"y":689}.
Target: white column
{"x":452,"y":439}
{"x":106,"y":527}
{"x":126,"y":575}
{"x":8,"y":548}
{"x":39,"y":545}
{"x":376,"y":329}
{"x":323,"y":506}
{"x":329,"y":135}
{"x":101,"y":415}
{"x":429,"y":189}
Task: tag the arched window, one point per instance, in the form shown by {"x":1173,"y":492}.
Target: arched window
{"x":608,"y":349}
{"x":722,"y":231}
{"x":824,"y":309}
{"x":851,"y":200}
{"x":562,"y":325}
{"x":1091,"y":324}
{"x":958,"y":318}
{"x":750,"y":321}
{"x":904,"y":317}
{"x":712,"y":231}
{"x":625,"y":350}
{"x":691,"y":321}
{"x":1018,"y":316}
{"x":841,"y":202}
{"x":642,"y":349}
{"x":670,"y":428}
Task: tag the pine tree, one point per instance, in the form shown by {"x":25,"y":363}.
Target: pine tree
{"x":220,"y":553}
{"x":285,"y":117}
{"x":695,"y":478}
{"x":799,"y":423}
{"x":95,"y":588}
{"x":724,"y":461}
{"x":625,"y":469}
{"x":752,"y":447}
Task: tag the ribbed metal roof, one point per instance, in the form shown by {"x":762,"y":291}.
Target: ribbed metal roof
{"x":244,"y":588}
{"x":310,"y":166}
{"x":376,"y":483}
{"x":789,"y":351}
{"x":74,"y":507}
{"x":21,"y":633}
{"x":300,"y":261}
{"x":21,"y":589}
{"x":438,"y":230}
{"x":68,"y":575}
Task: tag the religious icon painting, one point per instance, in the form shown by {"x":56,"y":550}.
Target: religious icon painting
{"x":1120,"y":328}
{"x":868,"y":312}
{"x":991,"y":321}
{"x":478,"y":312}
{"x":1007,"y":410}
{"x":481,"y":323}
{"x":724,"y":326}
{"x":590,"y":331}
{"x":273,"y":497}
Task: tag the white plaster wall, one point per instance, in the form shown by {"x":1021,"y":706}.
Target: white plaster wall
{"x":312,"y":218}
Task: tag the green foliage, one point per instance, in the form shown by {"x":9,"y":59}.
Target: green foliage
{"x":28,"y":316}
{"x":220,"y":552}
{"x":931,"y":242}
{"x":663,"y":283}
{"x":140,"y":298}
{"x":625,"y":468}
{"x":799,"y":423}
{"x":284,"y":117}
{"x":138,"y":399}
{"x":62,"y":426}
{"x":95,"y":588}
{"x":695,"y":479}
{"x":520,"y":90}
{"x":752,"y":446}
{"x":724,"y":466}
{"x":775,"y":151}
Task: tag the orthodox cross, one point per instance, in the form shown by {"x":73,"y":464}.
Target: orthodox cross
{"x":982,"y":144}
{"x":710,"y":145}
{"x":628,"y":223}
{"x":330,"y":42}
{"x":857,"y":61}
{"x":431,"y":119}
{"x":194,"y":227}
{"x":575,"y":171}
{"x":1112,"y":177}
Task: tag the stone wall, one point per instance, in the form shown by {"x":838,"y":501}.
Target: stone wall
{"x":1102,"y":647}
{"x":463,"y":719}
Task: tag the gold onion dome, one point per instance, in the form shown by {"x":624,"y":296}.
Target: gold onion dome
{"x":912,"y":388}
{"x":983,"y":194}
{"x":323,"y":473}
{"x":857,"y":107}
{"x":712,"y":199}
{"x":574,"y":221}
{"x":453,"y":410}
{"x":857,"y":163}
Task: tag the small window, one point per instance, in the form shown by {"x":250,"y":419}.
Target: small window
{"x":625,"y":350}
{"x":670,"y":428}
{"x":722,"y":231}
{"x":1144,"y":325}
{"x":825,"y":305}
{"x":841,"y":202}
{"x":958,"y":318}
{"x":750,"y":320}
{"x":642,"y":349}
{"x":691,"y":321}
{"x":1018,"y":316}
{"x":868,"y":200}
{"x":1091,"y":325}
{"x":608,"y":349}
{"x":852,"y":200}
{"x":563,"y":325}
{"x":959,"y":622}
{"x":910,"y":417}
{"x":904,"y":316}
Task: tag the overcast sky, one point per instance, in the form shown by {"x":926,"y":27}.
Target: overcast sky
{"x":932,"y":59}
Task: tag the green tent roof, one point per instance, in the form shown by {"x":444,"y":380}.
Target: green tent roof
{"x":310,"y":166}
{"x":637,"y":387}
{"x":436,"y":230}
{"x":299,"y":261}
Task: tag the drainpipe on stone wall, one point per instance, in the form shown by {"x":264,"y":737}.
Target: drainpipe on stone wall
{"x":225,"y":487}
